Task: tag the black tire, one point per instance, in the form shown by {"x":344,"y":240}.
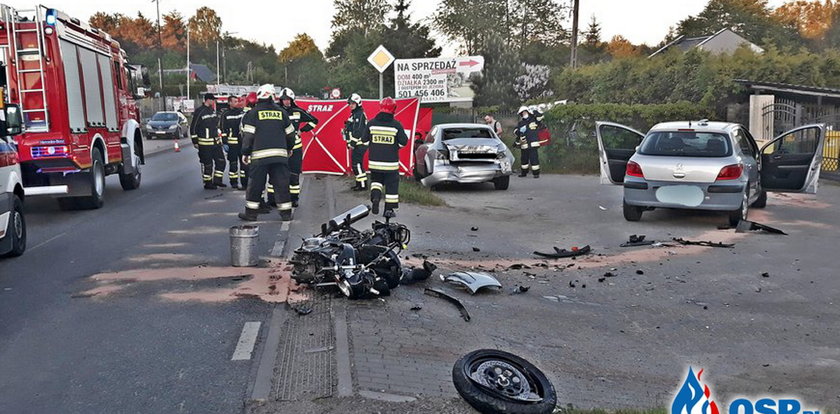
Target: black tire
{"x":17,"y":229}
{"x":487,"y":400}
{"x":501,"y":183}
{"x":97,"y":184}
{"x":632,"y":213}
{"x":761,"y":201}
{"x":735,"y":216}
{"x":132,"y":181}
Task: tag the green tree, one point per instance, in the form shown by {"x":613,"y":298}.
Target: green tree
{"x":304,"y":67}
{"x":592,"y":35}
{"x":502,"y":65}
{"x":362,"y":15}
{"x":205,"y":26}
{"x":750,"y":18}
{"x":470,"y":23}
{"x":536,"y":21}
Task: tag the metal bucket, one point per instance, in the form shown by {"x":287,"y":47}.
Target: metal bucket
{"x":243,"y":245}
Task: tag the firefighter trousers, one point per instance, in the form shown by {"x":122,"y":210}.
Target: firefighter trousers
{"x":277,"y":173}
{"x":387,"y":182}
{"x":235,"y":172}
{"x":357,"y":159}
{"x":295,"y":165}
{"x":212,"y":159}
{"x":531,"y":160}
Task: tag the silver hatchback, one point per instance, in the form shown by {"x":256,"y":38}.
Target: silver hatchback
{"x":706,"y":166}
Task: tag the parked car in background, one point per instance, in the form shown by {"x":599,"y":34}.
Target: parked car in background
{"x":706,"y":166}
{"x":463,"y":153}
{"x":167,"y":124}
{"x":12,"y":221}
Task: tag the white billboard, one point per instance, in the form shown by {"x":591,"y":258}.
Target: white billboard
{"x":437,"y":79}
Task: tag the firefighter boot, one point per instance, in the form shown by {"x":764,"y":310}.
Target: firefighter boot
{"x":374,"y":206}
{"x":249,"y":215}
{"x":359,"y":186}
{"x":209,"y":186}
{"x":264,"y":209}
{"x":389,"y":213}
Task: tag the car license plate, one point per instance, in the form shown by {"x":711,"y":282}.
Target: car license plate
{"x":684,"y":195}
{"x":160,"y":132}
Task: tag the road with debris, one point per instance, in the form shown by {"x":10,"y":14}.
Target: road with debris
{"x":138,"y":310}
{"x":76,"y":337}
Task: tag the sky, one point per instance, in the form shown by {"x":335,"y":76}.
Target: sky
{"x":640,"y":21}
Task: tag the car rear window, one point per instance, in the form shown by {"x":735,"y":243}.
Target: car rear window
{"x":686,"y":144}
{"x":453,"y":133}
{"x":162,"y":116}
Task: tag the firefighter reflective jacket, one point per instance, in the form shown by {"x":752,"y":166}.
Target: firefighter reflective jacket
{"x":354,"y":127}
{"x":302,"y":121}
{"x":231,"y":122}
{"x":527,"y":132}
{"x":267,"y":134}
{"x":204,"y":128}
{"x":385,"y":136}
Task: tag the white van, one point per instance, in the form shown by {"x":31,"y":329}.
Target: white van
{"x":12,"y":223}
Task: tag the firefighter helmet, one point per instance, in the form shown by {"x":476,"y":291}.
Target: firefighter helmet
{"x":251,"y":99}
{"x":388,"y":105}
{"x":266,"y":91}
{"x":287,"y":93}
{"x":355,"y":98}
{"x":523,"y":109}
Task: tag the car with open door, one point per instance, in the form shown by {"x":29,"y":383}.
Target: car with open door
{"x":705,"y":165}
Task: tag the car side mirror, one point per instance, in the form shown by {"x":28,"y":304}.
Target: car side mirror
{"x":14,"y":119}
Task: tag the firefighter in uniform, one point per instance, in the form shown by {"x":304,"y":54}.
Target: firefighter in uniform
{"x":303,"y":122}
{"x":267,"y":137}
{"x":527,"y":136}
{"x":249,"y":101}
{"x":384,"y":136}
{"x":354,"y":128}
{"x":231,"y":121}
{"x":204,"y":131}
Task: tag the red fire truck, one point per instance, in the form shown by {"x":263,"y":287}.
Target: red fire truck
{"x":77,"y":94}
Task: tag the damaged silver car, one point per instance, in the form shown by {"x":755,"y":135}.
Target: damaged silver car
{"x":463,"y":153}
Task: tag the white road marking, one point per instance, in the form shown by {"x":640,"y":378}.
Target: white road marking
{"x":284,"y":226}
{"x":247,"y":340}
{"x":46,"y":241}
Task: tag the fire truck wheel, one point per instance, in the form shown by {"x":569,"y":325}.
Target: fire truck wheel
{"x":17,"y":230}
{"x":97,"y":184}
{"x":132,"y":181}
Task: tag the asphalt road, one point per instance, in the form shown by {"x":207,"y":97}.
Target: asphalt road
{"x":70,"y":343}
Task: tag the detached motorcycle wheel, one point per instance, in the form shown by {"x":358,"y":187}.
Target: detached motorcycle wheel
{"x":499,"y":382}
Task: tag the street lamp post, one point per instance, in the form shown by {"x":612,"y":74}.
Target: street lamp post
{"x":160,"y":51}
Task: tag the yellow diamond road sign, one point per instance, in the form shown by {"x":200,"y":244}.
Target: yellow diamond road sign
{"x":381,"y":58}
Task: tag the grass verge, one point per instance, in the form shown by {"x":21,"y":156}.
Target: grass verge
{"x":411,"y":192}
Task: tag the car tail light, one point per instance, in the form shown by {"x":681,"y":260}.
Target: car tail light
{"x":51,"y":151}
{"x":634,"y":170}
{"x":731,"y":172}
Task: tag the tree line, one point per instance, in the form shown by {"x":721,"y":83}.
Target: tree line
{"x":526,"y":45}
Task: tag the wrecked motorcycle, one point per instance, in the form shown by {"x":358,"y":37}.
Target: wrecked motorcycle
{"x":359,"y":263}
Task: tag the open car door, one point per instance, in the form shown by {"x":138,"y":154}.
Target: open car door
{"x":616,"y":144}
{"x":791,"y":162}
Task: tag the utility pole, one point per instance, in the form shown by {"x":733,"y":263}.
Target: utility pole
{"x":189,"y":69}
{"x":160,"y":50}
{"x":575,"y":15}
{"x":217,"y":64}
